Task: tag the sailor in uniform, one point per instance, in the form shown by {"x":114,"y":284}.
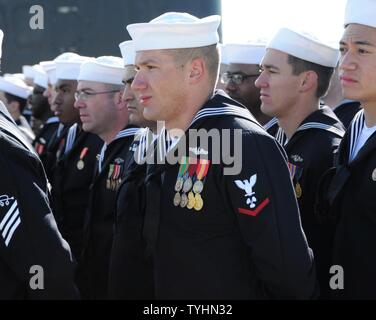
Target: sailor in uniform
{"x":104,"y":113}
{"x":131,"y":272}
{"x":30,"y":243}
{"x":353,"y":187}
{"x":296,"y":72}
{"x":215,"y":229}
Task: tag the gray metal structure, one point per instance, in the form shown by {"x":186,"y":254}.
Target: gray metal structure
{"x":89,"y":27}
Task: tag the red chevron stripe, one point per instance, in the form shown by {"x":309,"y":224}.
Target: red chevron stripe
{"x":256,"y":211}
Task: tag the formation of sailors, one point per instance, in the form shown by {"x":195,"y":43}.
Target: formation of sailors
{"x":79,"y":198}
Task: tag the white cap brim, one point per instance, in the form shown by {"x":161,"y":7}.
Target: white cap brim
{"x":361,"y":12}
{"x":244,"y":53}
{"x":304,"y":47}
{"x":108,"y":70}
{"x":40,"y":77}
{"x":51,"y":73}
{"x":175,"y":35}
{"x":28,"y":71}
{"x":70,"y":69}
{"x":128,"y":52}
{"x":15,"y":86}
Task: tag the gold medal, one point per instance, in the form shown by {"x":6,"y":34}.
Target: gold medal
{"x":199,"y":203}
{"x":80,"y":164}
{"x":191,"y":200}
{"x":108,"y":184}
{"x":374,"y":175}
{"x":183,"y":200}
{"x":298,"y":190}
{"x":179,"y":184}
{"x":177,"y":199}
{"x":198,"y":186}
{"x":187,"y":185}
{"x":201,"y":172}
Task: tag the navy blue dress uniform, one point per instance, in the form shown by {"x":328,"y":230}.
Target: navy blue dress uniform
{"x":28,"y":233}
{"x":100,"y":216}
{"x":311,"y":151}
{"x":70,"y":179}
{"x":346,"y":111}
{"x":53,"y":149}
{"x":45,"y":135}
{"x":218,"y":236}
{"x":351,"y":194}
{"x":272,"y":127}
{"x":130,"y":271}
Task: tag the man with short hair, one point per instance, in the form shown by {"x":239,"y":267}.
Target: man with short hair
{"x":214,"y":231}
{"x":62,"y":107}
{"x":40,"y":107}
{"x":296,"y":71}
{"x":344,"y":109}
{"x":130,"y":272}
{"x":41,"y":110}
{"x":52,"y":148}
{"x":16,"y":93}
{"x":353,"y":188}
{"x":30,"y":243}
{"x":76,"y":156}
{"x":244,"y":60}
{"x":135,"y":108}
{"x":104,"y":113}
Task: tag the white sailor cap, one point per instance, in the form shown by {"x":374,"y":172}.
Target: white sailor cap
{"x":68,"y":65}
{"x":128,"y":52}
{"x":61,"y":57}
{"x":47,"y":65}
{"x":40,"y":76}
{"x":15,"y":86}
{"x":245,"y":53}
{"x":40,"y":73}
{"x":105,"y":69}
{"x":1,"y":41}
{"x":51,"y":73}
{"x":361,"y":12}
{"x":223,"y":51}
{"x":17,"y":75}
{"x":49,"y":68}
{"x":175,"y":30}
{"x":305,"y":47}
{"x":28,"y":71}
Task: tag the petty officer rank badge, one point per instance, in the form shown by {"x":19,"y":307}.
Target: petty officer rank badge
{"x":115,"y":172}
{"x":10,"y":218}
{"x":190,"y":183}
{"x":254,"y":205}
{"x":295,"y":174}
